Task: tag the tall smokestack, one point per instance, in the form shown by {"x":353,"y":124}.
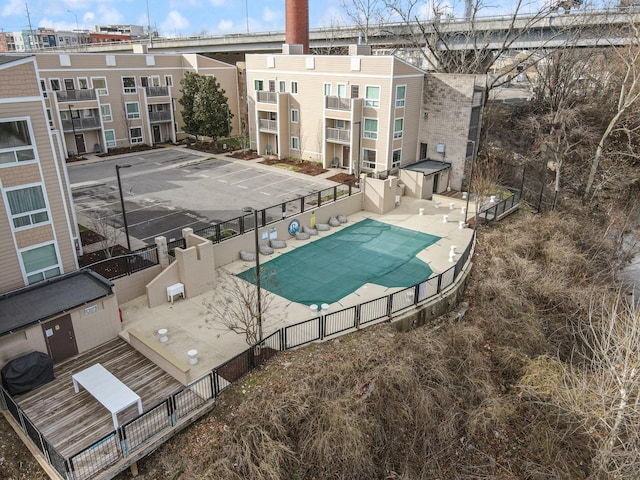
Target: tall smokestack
{"x":297,"y":23}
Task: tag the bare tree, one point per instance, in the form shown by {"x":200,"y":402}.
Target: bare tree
{"x":486,"y":178}
{"x":366,"y":14}
{"x":236,"y":304}
{"x":107,"y":232}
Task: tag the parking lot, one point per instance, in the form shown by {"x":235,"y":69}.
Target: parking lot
{"x":167,"y":190}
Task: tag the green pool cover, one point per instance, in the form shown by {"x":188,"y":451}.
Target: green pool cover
{"x":330,"y":268}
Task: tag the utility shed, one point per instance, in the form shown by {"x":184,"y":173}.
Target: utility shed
{"x":424,"y":178}
{"x":62,"y":316}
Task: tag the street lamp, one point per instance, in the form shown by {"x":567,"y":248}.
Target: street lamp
{"x":73,"y":128}
{"x":255,"y":231}
{"x":473,"y":161}
{"x":74,"y":14}
{"x":124,"y":215}
{"x":246,"y":5}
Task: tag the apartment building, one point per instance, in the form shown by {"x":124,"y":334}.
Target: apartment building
{"x":37,"y":227}
{"x":361,"y":112}
{"x":101,"y":101}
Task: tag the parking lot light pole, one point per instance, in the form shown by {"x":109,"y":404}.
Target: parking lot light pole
{"x":124,"y":214}
{"x":73,"y":128}
{"x":259,"y":305}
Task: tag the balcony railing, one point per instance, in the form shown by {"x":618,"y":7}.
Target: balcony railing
{"x":337,"y":103}
{"x":268,"y":125}
{"x":90,"y":123}
{"x":76,"y":95}
{"x":267,"y":97}
{"x":155,"y":117}
{"x":157,"y":91}
{"x":338,"y":135}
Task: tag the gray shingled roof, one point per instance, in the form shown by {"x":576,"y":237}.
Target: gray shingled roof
{"x":44,"y":300}
{"x":428,"y":166}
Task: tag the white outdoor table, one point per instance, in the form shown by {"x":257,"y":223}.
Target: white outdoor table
{"x":107,"y":389}
{"x":173,"y":290}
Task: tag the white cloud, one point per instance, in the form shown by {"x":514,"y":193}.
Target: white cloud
{"x":225,"y":26}
{"x":331,"y":17}
{"x":271,"y":16}
{"x":174,"y":24}
{"x":108,"y":15}
{"x":88,"y":18}
{"x":57,"y":25}
{"x":14,"y":7}
{"x":218,"y":3}
{"x":184,"y":3}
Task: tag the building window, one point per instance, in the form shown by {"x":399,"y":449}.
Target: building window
{"x":401,"y":91}
{"x":27,"y":206}
{"x":100,"y":84}
{"x":110,"y":138}
{"x":83,"y":84}
{"x":49,"y":118}
{"x":295,"y":143}
{"x":133,"y":110}
{"x":370,"y":128}
{"x":355,"y":91}
{"x":398,"y":127}
{"x":340,"y":124}
{"x":369,"y":159}
{"x":40,"y":263}
{"x":294,"y":87}
{"x":396,"y":158}
{"x":129,"y":84}
{"x":15,"y":142}
{"x":342,"y":90}
{"x":135,"y":134}
{"x":168,"y":80}
{"x":327,"y":89}
{"x":258,"y":85}
{"x":372,"y":96}
{"x":55,"y":84}
{"x":283,"y":86}
{"x":295,"y":115}
{"x":43,"y":88}
{"x":105,"y":112}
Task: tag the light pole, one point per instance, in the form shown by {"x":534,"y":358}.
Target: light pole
{"x":473,"y":161}
{"x":74,"y":14}
{"x":73,"y":129}
{"x":255,"y":231}
{"x":124,"y":215}
{"x":246,"y":5}
{"x":358,"y":166}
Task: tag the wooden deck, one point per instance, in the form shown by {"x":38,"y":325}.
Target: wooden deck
{"x":73,"y":421}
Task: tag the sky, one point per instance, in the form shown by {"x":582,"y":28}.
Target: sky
{"x":176,"y":18}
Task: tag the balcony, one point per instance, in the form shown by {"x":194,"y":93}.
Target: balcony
{"x":337,"y":103}
{"x":79,"y":124}
{"x":268,"y":125}
{"x":157,"y":91}
{"x":76,"y":95}
{"x":338,"y":135}
{"x":158,"y":117}
{"x":266,"y":97}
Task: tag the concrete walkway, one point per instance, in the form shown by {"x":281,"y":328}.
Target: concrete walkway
{"x":193,"y":324}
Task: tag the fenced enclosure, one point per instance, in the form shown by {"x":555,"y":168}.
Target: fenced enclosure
{"x":164,"y":416}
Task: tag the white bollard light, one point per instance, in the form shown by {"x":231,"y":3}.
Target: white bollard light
{"x":452,"y":257}
{"x":463,"y":210}
{"x":163,"y":335}
{"x":437,"y":204}
{"x":452,"y":206}
{"x":421,"y":211}
{"x":464,"y":195}
{"x":453,"y":249}
{"x":461,"y":224}
{"x":492,"y":199}
{"x":445,"y":218}
{"x":193,"y":356}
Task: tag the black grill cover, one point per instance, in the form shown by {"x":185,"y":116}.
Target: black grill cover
{"x":27,"y":372}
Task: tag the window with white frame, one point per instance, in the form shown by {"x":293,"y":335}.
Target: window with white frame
{"x":15,"y":142}
{"x":340,"y":124}
{"x":401,"y":91}
{"x":49,"y":118}
{"x":396,"y":158}
{"x":372,"y":96}
{"x":342,"y":90}
{"x":83,"y":83}
{"x":43,"y":88}
{"x":55,"y":84}
{"x":282,"y":86}
{"x":135,"y":134}
{"x":295,"y":115}
{"x":133,"y":110}
{"x":327,"y":89}
{"x":110,"y":138}
{"x":294,"y":87}
{"x":398,"y":127}
{"x":370,"y":128}
{"x":129,"y":84}
{"x":258,"y":85}
{"x":105,"y":112}
{"x":295,"y":143}
{"x":27,"y":206}
{"x":100,"y":84}
{"x":369,"y":159}
{"x":40,"y":263}
{"x":168,"y":80}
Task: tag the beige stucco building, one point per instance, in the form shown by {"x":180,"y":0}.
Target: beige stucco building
{"x":361,"y":112}
{"x":101,"y":101}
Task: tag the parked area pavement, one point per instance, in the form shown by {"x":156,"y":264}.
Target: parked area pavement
{"x":192,"y":323}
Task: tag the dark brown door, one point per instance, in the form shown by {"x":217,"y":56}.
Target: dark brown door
{"x":80,"y":145}
{"x":157,"y":138}
{"x":423,"y":151}
{"x":61,"y":341}
{"x":346,"y":156}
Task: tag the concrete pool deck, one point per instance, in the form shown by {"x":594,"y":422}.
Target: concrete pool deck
{"x":192,"y":324}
